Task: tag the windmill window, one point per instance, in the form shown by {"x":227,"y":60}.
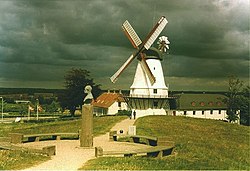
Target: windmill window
{"x":155,"y":91}
{"x":154,"y":68}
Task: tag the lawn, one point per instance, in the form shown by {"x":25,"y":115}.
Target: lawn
{"x":18,"y":160}
{"x":200,"y":145}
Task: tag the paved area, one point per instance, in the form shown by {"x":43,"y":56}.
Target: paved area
{"x":69,"y":155}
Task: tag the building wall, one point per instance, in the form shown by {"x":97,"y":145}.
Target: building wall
{"x":147,"y":112}
{"x":206,"y":114}
{"x":141,"y":84}
{"x":115,"y":107}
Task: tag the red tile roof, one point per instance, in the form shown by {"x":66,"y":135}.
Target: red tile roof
{"x":105,"y":100}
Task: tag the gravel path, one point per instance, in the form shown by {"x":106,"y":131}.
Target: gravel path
{"x":69,"y":155}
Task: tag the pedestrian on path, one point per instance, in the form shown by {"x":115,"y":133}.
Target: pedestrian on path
{"x":134,"y":113}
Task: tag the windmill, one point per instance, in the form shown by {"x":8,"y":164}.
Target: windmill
{"x":148,"y":91}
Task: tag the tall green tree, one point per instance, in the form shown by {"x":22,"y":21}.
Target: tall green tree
{"x":244,"y":106}
{"x":75,"y":81}
{"x":237,"y":99}
{"x":233,"y":95}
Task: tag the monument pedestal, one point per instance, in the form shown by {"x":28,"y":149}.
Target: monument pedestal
{"x":86,"y":134}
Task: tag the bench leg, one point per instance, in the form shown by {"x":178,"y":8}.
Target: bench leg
{"x":50,"y":150}
{"x":111,"y":136}
{"x":31,"y":139}
{"x":56,"y":137}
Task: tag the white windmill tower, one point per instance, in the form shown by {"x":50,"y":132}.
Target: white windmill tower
{"x":148,"y":93}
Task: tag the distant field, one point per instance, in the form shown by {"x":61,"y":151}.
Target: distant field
{"x":200,"y":145}
{"x":10,"y":160}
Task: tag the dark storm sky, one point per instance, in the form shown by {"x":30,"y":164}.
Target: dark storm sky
{"x":41,"y":40}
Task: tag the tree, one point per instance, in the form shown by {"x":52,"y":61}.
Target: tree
{"x":244,"y":106}
{"x":75,"y":81}
{"x":235,"y":99}
{"x":232,"y":100}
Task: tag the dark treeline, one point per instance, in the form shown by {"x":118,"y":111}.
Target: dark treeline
{"x":29,"y":91}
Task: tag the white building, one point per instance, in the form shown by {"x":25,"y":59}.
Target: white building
{"x":207,"y":106}
{"x":109,"y":104}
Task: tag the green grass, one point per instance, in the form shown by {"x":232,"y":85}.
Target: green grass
{"x":20,"y":160}
{"x":12,"y":160}
{"x":101,"y":126}
{"x":200,"y":144}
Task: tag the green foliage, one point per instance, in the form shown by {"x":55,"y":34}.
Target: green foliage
{"x":75,"y":82}
{"x":200,"y":145}
{"x":244,"y":106}
{"x":237,"y":100}
{"x":124,"y":112}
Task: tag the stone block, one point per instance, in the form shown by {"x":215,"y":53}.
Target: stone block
{"x":132,"y":130}
{"x":16,"y":138}
{"x":98,"y":151}
{"x":49,"y":150}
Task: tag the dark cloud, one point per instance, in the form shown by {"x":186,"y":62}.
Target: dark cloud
{"x":40,"y":40}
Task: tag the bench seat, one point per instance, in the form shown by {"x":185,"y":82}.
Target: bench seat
{"x":20,"y":138}
{"x":137,"y":138}
{"x":153,"y":151}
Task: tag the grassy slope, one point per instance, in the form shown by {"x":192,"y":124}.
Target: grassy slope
{"x":20,"y":160}
{"x":200,"y":144}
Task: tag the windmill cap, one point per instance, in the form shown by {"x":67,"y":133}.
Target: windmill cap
{"x":153,"y":53}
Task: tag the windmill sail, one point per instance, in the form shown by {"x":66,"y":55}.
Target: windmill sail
{"x":131,"y":34}
{"x":146,"y":69}
{"x":122,"y":68}
{"x":136,"y":42}
{"x":155,"y":32}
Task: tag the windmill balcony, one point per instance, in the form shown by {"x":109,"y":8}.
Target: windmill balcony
{"x":147,"y":96}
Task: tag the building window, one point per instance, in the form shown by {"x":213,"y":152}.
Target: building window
{"x":211,"y":112}
{"x":155,"y":91}
{"x":202,"y":103}
{"x":185,"y":112}
{"x":119,"y":104}
{"x":203,"y":112}
{"x":193,"y":103}
{"x":193,"y":112}
{"x":219,"y":111}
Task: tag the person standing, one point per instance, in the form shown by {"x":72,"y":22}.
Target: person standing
{"x":134,"y":113}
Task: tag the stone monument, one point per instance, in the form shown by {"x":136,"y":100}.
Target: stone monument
{"x":86,"y":133}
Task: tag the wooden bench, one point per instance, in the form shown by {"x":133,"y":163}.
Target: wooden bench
{"x":152,"y":151}
{"x":152,"y":141}
{"x":20,"y":138}
{"x":47,"y":150}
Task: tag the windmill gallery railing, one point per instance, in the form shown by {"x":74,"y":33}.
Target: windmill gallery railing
{"x":148,"y":101}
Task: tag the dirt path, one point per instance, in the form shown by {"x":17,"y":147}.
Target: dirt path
{"x":69,"y":155}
